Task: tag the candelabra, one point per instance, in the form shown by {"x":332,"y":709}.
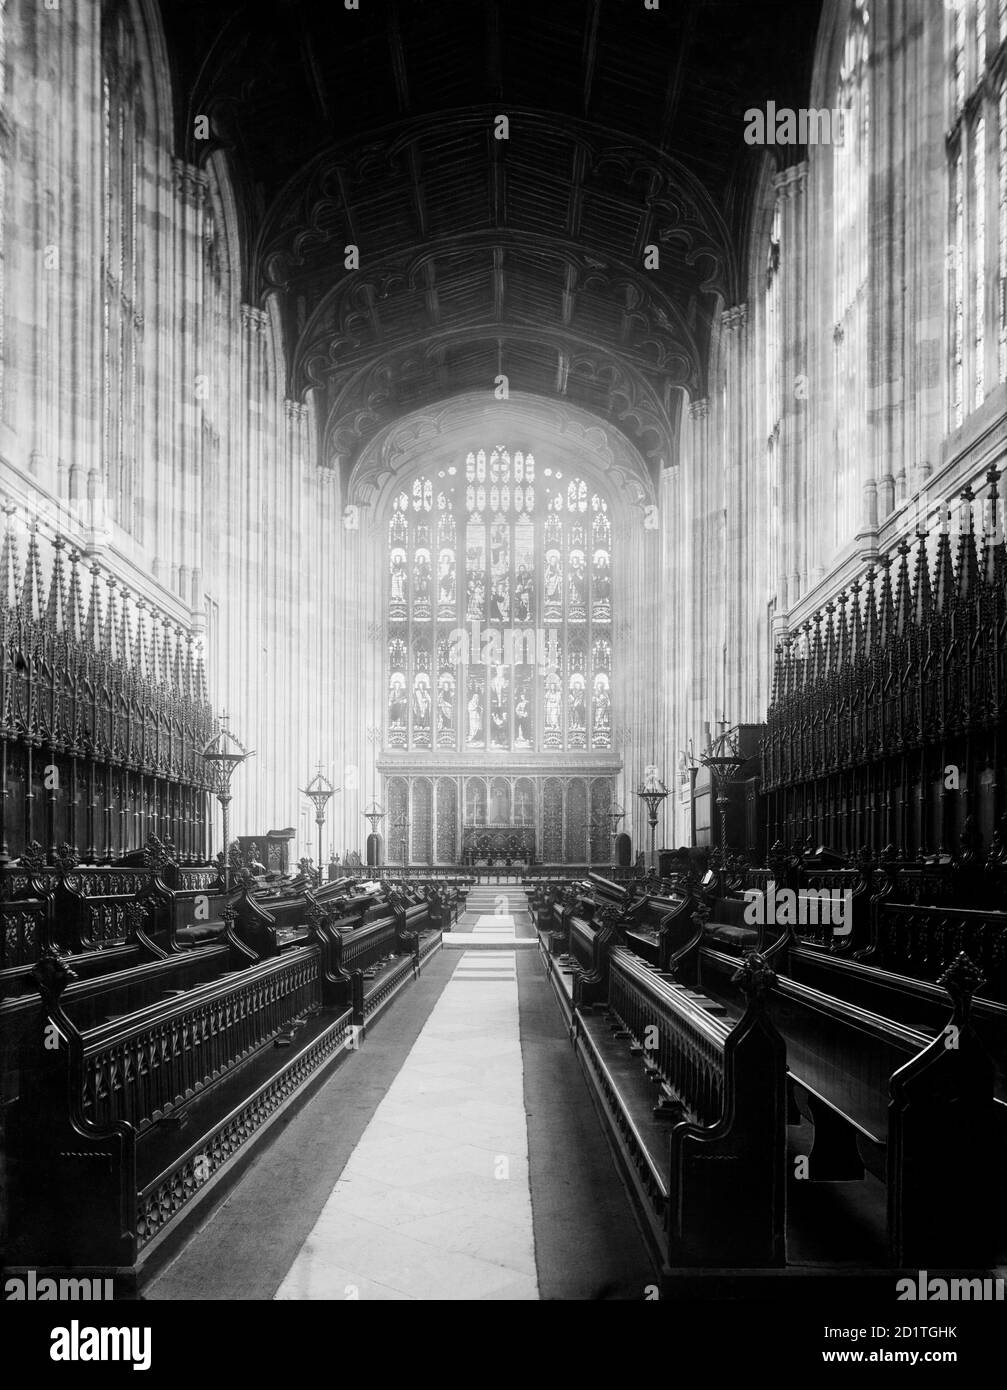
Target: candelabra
{"x":688,"y":770}
{"x":615,"y":815}
{"x":319,"y":791}
{"x":724,"y":761}
{"x":597,"y":834}
{"x":374,"y":815}
{"x":400,"y":824}
{"x":225,"y":754}
{"x":653,"y":791}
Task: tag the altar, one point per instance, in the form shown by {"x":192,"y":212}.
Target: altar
{"x":498,"y":844}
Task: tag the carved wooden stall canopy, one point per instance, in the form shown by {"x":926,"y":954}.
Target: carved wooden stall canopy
{"x":886,"y":721}
{"x":103,"y":712}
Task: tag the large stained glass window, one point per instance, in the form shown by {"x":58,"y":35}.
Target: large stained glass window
{"x":499,"y":606}
{"x":850,"y":239}
{"x":977,"y":163}
{"x":122,"y":162}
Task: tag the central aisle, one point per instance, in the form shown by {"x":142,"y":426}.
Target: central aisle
{"x":456,"y":1156}
{"x":435,"y":1202}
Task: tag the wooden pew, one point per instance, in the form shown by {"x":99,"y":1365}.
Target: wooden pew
{"x":554,"y":931}
{"x":75,"y":913}
{"x":140,"y":1111}
{"x":927,"y":1108}
{"x":26,"y":932}
{"x":715,"y":1194}
{"x":662,"y":926}
{"x":603,"y":914}
{"x":921,"y":942}
{"x":919,"y":1002}
{"x":382,"y":941}
{"x":106,"y":917}
{"x":164,"y":1071}
{"x":269,"y":930}
{"x":91,"y":906}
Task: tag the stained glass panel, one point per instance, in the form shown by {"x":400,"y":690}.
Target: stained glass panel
{"x":475,"y":570}
{"x":976,"y":74}
{"x":1002,"y":231}
{"x":576,"y":727}
{"x":446,"y":701}
{"x":500,"y":572}
{"x":422,"y":697}
{"x":397,"y":704}
{"x":530,"y":665}
{"x":524,"y":708}
{"x":553,"y":701}
{"x":601,"y":561}
{"x":475,"y":729}
{"x":979,"y":262}
{"x":500,"y":736}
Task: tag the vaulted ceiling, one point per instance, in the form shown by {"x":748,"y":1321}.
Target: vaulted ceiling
{"x":480,"y":257}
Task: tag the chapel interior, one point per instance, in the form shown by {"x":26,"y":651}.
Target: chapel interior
{"x":503,"y":647}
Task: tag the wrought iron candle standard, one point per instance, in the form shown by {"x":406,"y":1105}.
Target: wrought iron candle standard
{"x":615,"y":815}
{"x":374,"y":815}
{"x":654,"y":793}
{"x":724,"y":761}
{"x":319,"y":791}
{"x":401,"y":824}
{"x":225,"y":753}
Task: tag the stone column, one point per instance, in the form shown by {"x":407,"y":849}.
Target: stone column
{"x":791,"y":187}
{"x":180,"y":490}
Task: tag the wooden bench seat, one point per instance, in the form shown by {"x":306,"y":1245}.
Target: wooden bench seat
{"x":104,"y":1111}
{"x":921,"y":942}
{"x":727,"y":926}
{"x":919,"y":1004}
{"x":928,"y":1109}
{"x":720,"y":1201}
{"x":164,"y":1072}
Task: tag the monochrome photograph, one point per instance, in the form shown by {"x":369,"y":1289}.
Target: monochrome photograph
{"x":503,"y":669}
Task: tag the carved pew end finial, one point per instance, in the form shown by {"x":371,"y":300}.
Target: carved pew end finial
{"x":755,"y":977}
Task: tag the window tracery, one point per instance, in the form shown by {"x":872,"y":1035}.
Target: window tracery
{"x":977,"y":162}
{"x":122,"y":134}
{"x":499,"y":607}
{"x":851,"y":175}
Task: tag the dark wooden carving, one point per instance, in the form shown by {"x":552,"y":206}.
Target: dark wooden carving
{"x":884,"y":727}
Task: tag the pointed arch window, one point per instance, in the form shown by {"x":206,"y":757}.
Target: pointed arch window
{"x":977,"y":165}
{"x":3,"y":206}
{"x":851,"y":170}
{"x":773,"y":399}
{"x":122,"y":135}
{"x":499,"y":607}
{"x":1002,"y":229}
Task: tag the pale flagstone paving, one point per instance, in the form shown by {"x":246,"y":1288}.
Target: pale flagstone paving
{"x":488,"y":929}
{"x":434,"y":1202}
